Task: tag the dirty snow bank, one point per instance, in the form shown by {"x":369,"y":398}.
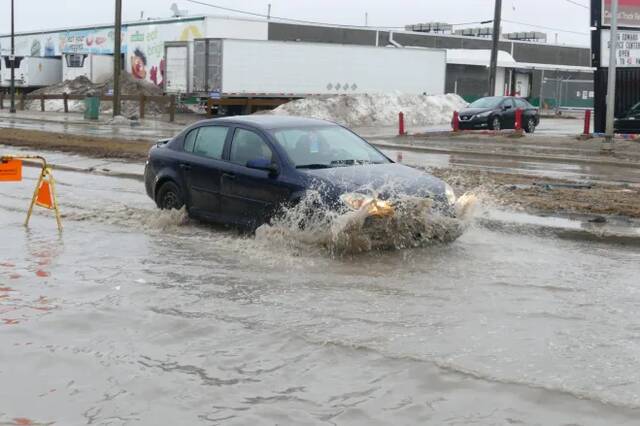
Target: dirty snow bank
{"x":83,"y":86}
{"x":372,"y":110}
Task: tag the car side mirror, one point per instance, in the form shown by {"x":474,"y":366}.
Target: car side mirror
{"x":264,"y":164}
{"x":506,"y":107}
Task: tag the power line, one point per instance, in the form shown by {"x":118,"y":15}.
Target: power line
{"x":303,"y":21}
{"x":280,"y":18}
{"x":584,"y":6}
{"x":545,"y":28}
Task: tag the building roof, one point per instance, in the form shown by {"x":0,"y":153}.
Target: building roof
{"x":480,"y":57}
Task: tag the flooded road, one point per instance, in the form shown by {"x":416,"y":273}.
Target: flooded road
{"x":134,"y":316}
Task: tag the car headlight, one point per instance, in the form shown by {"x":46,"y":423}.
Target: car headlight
{"x":449,"y":193}
{"x":373,"y":205}
{"x":484,"y":114}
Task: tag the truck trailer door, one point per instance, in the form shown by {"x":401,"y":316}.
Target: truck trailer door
{"x":176,"y":68}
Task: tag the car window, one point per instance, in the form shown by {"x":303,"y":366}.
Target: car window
{"x":508,"y":102}
{"x":634,"y":111}
{"x":490,"y":102}
{"x":209,"y":141}
{"x":247,"y":146}
{"x":521,"y":103}
{"x":331,"y":146}
{"x":190,"y":140}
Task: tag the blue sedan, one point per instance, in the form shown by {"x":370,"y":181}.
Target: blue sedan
{"x":243,"y":170}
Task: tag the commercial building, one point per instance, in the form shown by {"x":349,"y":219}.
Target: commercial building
{"x":546,"y":74}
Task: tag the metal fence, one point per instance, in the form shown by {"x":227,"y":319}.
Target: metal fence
{"x":559,"y":90}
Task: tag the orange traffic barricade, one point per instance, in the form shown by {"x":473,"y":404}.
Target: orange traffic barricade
{"x":44,"y":194}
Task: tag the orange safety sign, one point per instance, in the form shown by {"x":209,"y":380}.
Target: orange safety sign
{"x":44,"y":194}
{"x":11,"y":171}
{"x":44,"y":197}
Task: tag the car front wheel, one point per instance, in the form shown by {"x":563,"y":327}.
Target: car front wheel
{"x":530,"y":127}
{"x":169,"y":197}
{"x":495,"y":123}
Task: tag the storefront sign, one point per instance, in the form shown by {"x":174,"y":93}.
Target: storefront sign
{"x":627,"y":50}
{"x":628,"y":13}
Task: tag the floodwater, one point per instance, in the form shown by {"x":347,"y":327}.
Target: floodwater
{"x":133,"y":316}
{"x":573,"y":171}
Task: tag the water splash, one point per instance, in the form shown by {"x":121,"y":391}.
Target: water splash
{"x":416,"y":223}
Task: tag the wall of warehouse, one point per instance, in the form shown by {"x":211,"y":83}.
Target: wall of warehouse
{"x":522,"y":51}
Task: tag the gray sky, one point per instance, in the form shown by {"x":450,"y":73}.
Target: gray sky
{"x":560,"y":14}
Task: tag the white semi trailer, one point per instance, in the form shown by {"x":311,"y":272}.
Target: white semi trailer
{"x":97,"y":68}
{"x":229,"y":68}
{"x":31,"y":71}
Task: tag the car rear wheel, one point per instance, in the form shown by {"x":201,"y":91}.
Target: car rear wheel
{"x":169,"y":197}
{"x":495,"y":124}
{"x":530,"y":127}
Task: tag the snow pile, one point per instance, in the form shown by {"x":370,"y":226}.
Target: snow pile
{"x":83,"y":86}
{"x":376,"y":110}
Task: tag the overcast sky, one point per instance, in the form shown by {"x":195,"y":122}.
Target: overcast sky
{"x":568,"y":20}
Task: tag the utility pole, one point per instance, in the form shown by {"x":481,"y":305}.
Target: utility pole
{"x":117,"y":44}
{"x":269,"y":12}
{"x":12,"y":108}
{"x":494,"y":50}
{"x":611,"y":82}
{"x":366,"y":19}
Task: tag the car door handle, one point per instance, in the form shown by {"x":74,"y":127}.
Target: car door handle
{"x":185,"y":167}
{"x":229,"y":176}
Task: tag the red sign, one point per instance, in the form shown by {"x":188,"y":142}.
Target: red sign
{"x":628,"y":13}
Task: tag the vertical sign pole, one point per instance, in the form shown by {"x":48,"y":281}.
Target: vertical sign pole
{"x":117,"y":58}
{"x":611,"y":82}
{"x":12,"y":108}
{"x":494,"y":51}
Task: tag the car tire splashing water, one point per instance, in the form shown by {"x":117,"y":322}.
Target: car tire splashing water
{"x":414,"y":223}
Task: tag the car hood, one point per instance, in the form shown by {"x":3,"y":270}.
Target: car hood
{"x":385,"y":180}
{"x":474,"y":111}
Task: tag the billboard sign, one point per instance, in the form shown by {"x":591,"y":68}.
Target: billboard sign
{"x":627,"y":49}
{"x":628,"y":13}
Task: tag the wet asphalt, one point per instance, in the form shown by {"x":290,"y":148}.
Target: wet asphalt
{"x":135,"y":316}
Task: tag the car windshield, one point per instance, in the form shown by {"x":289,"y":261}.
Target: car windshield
{"x":325,"y":147}
{"x":492,"y":102}
{"x":634,"y":111}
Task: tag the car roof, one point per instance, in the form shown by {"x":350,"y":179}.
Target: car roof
{"x":271,"y":122}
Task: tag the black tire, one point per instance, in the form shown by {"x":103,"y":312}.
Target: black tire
{"x":530,"y":126}
{"x":169,"y":197}
{"x":494,"y":124}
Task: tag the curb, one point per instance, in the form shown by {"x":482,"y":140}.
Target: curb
{"x":90,"y":170}
{"x":562,"y":233}
{"x":546,"y":158}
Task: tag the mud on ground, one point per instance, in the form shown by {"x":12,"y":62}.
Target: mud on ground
{"x":534,"y":193}
{"x":91,"y":146}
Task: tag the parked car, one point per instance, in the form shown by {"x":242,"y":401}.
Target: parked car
{"x":629,"y":122}
{"x":241,"y":170}
{"x":499,"y":112}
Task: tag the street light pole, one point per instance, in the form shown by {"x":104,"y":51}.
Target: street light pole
{"x":117,"y":43}
{"x":494,"y":50}
{"x":611,"y":81}
{"x":12,"y":108}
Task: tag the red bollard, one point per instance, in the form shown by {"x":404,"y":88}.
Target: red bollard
{"x":456,"y":121}
{"x":518,"y":120}
{"x":401,"y":131}
{"x":587,"y":123}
